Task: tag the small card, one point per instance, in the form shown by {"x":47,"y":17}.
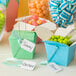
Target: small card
{"x":54,"y":67}
{"x":28,"y":65}
{"x":27,"y":45}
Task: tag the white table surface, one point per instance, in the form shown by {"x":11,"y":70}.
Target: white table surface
{"x":5,"y":52}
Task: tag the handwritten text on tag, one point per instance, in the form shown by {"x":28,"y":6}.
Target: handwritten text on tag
{"x":27,"y":45}
{"x":54,"y":67}
{"x":28,"y":65}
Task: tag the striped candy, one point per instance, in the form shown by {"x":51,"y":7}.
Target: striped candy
{"x":62,"y":11}
{"x":54,"y":4}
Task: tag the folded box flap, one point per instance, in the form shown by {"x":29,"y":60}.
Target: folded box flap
{"x":52,"y":52}
{"x":16,"y":34}
{"x":73,"y":45}
{"x":55,"y":43}
{"x":15,"y":48}
{"x":51,"y":48}
{"x":20,"y":35}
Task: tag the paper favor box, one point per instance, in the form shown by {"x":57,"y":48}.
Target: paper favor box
{"x":20,"y":25}
{"x":58,"y":53}
{"x":19,"y":51}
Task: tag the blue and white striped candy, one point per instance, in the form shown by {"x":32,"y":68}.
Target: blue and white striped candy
{"x":54,"y":18}
{"x":70,"y":18}
{"x":73,"y":9}
{"x":63,"y":16}
{"x":63,"y":5}
{"x":63,"y":21}
{"x":54,"y":4}
{"x":58,"y":20}
{"x":73,"y":2}
{"x":54,"y":14}
{"x":66,"y":12}
{"x":62,"y":11}
{"x":58,"y":10}
{"x":52,"y":9}
{"x":63,"y":1}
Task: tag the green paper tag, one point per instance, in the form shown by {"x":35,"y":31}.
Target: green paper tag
{"x":12,"y":62}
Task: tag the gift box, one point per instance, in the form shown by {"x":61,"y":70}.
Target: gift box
{"x":58,"y":53}
{"x":17,"y":47}
{"x":22,"y":25}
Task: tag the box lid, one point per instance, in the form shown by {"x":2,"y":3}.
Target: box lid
{"x":29,"y":35}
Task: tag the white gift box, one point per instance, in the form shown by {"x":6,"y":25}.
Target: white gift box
{"x":25,"y":26}
{"x":44,"y":31}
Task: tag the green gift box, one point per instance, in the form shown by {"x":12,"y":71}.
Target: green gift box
{"x":17,"y":51}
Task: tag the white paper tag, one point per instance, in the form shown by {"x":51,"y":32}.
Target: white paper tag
{"x":28,"y":65}
{"x":54,"y":67}
{"x":27,"y":45}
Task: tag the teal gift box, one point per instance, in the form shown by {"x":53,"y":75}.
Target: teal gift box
{"x":17,"y":51}
{"x":58,"y":53}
